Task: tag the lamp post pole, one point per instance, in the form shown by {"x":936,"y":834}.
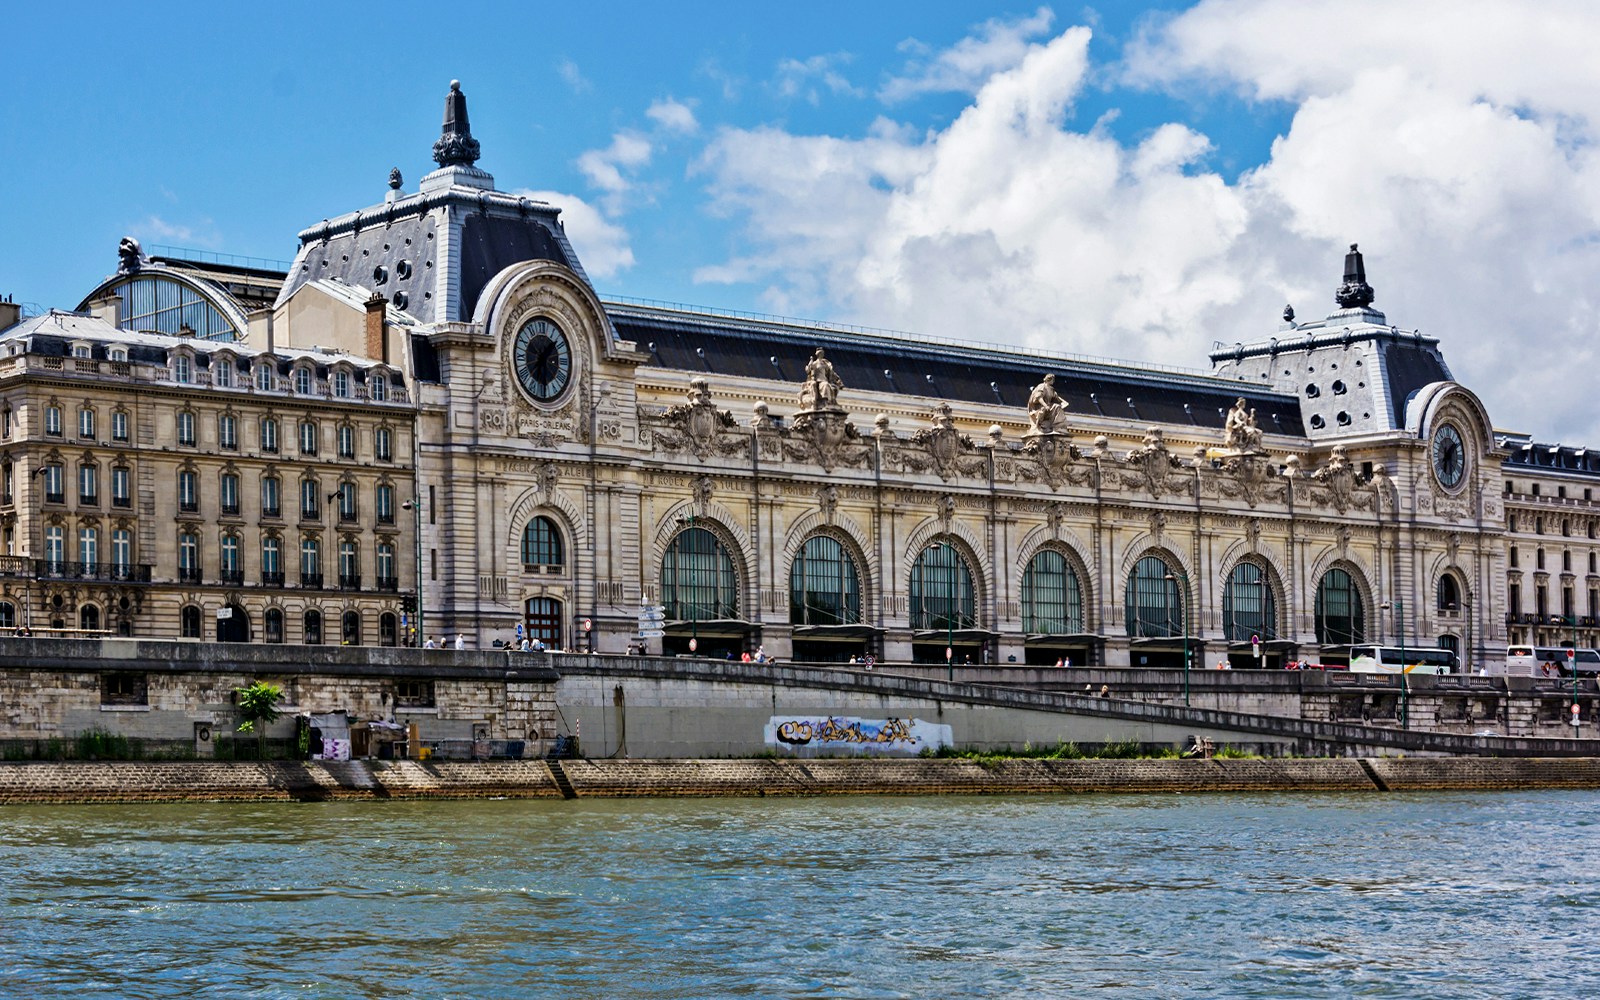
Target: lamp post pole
{"x":415,"y":506}
{"x":1399,"y":606}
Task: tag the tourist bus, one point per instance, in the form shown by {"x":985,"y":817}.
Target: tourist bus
{"x":1395,"y":660}
{"x":1547,"y":661}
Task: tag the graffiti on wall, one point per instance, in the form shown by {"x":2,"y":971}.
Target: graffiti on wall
{"x":837,"y":732}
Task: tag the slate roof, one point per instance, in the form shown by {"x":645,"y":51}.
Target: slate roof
{"x":880,"y":362}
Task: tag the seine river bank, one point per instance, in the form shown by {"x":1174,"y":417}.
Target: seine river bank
{"x":1245,"y":895}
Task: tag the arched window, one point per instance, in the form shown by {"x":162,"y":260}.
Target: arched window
{"x":543,"y":618}
{"x":351,"y":631}
{"x":313,"y":627}
{"x":1052,"y":601}
{"x":942,"y":594}
{"x":824,"y":587}
{"x":8,"y":615}
{"x":1449,"y":593}
{"x":1340,"y":617}
{"x":1154,"y":604}
{"x":1248,"y":608}
{"x":302,"y":381}
{"x":541,"y":544}
{"x":272,"y":624}
{"x":89,"y":618}
{"x":1451,"y":642}
{"x":388,"y":629}
{"x":698,"y":581}
{"x":189,"y":622}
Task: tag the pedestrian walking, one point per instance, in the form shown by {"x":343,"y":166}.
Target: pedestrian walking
{"x":461,"y":641}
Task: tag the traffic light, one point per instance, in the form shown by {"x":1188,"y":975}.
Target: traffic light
{"x":408,"y":602}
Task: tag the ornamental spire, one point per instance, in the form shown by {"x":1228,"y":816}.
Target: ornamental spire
{"x":456,"y":144}
{"x":1355,"y":293}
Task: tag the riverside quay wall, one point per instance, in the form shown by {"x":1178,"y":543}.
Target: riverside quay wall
{"x":180,"y":697}
{"x":175,"y":696}
{"x":195,"y":781}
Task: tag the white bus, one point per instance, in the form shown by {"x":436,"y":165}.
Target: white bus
{"x":1394,"y":660}
{"x":1548,"y":661}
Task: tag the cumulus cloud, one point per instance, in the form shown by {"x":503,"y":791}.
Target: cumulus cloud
{"x":673,"y":116}
{"x":601,"y":245}
{"x":611,"y":169}
{"x":573,"y":77}
{"x":1455,"y":141}
{"x":964,"y":67}
{"x":153,"y":228}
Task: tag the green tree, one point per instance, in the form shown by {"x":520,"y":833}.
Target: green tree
{"x":258,"y":708}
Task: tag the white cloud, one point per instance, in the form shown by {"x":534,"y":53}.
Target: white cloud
{"x":155,"y":229}
{"x":967,"y":65}
{"x":573,"y":78}
{"x":610,"y":169}
{"x":601,"y":245}
{"x":800,"y":78}
{"x":673,"y":116}
{"x":1455,"y":141}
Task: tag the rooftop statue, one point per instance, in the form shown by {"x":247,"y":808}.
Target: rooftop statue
{"x":455,"y":144}
{"x":130,"y":255}
{"x":822,"y":385}
{"x":1047,"y":411}
{"x":1239,"y":431}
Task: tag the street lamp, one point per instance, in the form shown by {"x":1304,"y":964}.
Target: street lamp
{"x":1183,"y":609}
{"x":415,"y":506}
{"x":1400,"y":623}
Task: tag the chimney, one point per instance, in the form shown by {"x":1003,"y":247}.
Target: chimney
{"x":108,"y":308}
{"x":10,"y":313}
{"x":377,"y":343}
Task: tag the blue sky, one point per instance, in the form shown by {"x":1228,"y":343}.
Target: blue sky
{"x":1132,"y":181}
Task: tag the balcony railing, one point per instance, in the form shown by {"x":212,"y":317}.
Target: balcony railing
{"x":311,"y":580}
{"x":189,"y":574}
{"x":60,"y":569}
{"x":232,"y":577}
{"x":271,"y":579}
{"x":230,"y":510}
{"x":389,"y":583}
{"x":386,"y":518}
{"x":349,"y":581}
{"x":122,"y":501}
{"x":55,"y":498}
{"x":347,"y":517}
{"x":189,"y":506}
{"x":270,"y":511}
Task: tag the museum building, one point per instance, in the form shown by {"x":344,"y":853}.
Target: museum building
{"x":432,"y":414}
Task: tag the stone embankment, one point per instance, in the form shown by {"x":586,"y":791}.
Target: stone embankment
{"x":319,"y":781}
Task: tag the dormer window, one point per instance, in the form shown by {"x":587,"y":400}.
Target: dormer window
{"x":182,"y":369}
{"x":380,"y":387}
{"x":118,"y":354}
{"x":341,"y":384}
{"x":80,"y":350}
{"x":263,"y":376}
{"x":222,"y":373}
{"x":302,"y":381}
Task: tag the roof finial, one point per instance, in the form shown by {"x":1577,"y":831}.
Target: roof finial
{"x":1355,"y":293}
{"x":456,"y":144}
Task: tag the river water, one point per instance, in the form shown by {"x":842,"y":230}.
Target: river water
{"x":1437,"y":895}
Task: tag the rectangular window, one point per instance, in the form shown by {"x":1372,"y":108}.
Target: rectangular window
{"x":230,"y":493}
{"x":269,"y":496}
{"x":7,"y":481}
{"x":385,"y":503}
{"x":383,"y":444}
{"x":123,"y":689}
{"x":186,"y":428}
{"x":121,"y":480}
{"x":269,"y":434}
{"x":347,"y":501}
{"x":271,"y":563}
{"x":347,"y":441}
{"x":89,"y":549}
{"x":188,"y":492}
{"x":121,"y":553}
{"x":309,"y":493}
{"x":55,"y":547}
{"x":86,"y":423}
{"x":119,"y":426}
{"x":264,"y":377}
{"x":223,"y":374}
{"x":181,"y":369}
{"x":227,"y":431}
{"x":55,"y":488}
{"x":52,"y":421}
{"x":308,"y":438}
{"x":88,"y":485}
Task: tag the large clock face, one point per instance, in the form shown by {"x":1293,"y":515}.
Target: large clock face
{"x":543,"y":359}
{"x":1449,"y":457}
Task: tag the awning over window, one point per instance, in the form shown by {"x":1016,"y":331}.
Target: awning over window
{"x":857,"y":631}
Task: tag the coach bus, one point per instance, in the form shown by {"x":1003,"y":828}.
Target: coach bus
{"x":1549,"y":661}
{"x":1395,"y":660}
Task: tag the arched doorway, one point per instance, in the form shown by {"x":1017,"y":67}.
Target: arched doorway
{"x":233,"y":624}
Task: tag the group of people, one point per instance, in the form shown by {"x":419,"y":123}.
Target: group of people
{"x":759,"y":656}
{"x":435,"y":642}
{"x":867,"y":660}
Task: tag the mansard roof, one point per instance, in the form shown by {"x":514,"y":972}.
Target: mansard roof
{"x":881,"y":362}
